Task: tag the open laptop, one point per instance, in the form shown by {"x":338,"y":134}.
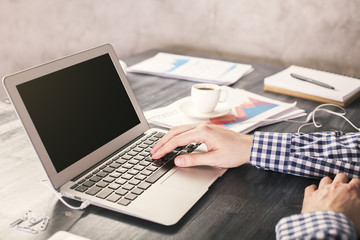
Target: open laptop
{"x":93,"y":140}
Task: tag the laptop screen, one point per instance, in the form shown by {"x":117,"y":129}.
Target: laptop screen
{"x":78,"y":109}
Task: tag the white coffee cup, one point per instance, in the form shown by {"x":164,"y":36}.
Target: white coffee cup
{"x":205,"y":97}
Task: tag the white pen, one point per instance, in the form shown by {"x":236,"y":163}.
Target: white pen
{"x":309,"y":80}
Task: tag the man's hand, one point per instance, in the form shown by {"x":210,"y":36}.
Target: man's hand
{"x":226,"y":148}
{"x":335,"y":195}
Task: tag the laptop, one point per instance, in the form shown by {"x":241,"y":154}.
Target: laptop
{"x":93,"y":140}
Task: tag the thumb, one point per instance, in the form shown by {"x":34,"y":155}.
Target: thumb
{"x":194,"y":159}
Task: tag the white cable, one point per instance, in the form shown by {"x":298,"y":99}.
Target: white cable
{"x":311,"y":116}
{"x":58,"y":195}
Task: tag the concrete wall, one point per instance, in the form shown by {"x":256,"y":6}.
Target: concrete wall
{"x":323,"y":34}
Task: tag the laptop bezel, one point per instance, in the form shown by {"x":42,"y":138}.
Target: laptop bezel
{"x":59,"y":178}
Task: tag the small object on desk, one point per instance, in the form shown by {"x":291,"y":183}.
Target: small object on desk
{"x":309,"y":80}
{"x":29,"y":221}
{"x":192,"y":68}
{"x":328,"y":87}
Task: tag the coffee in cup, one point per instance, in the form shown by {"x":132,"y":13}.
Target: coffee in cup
{"x":205,"y":97}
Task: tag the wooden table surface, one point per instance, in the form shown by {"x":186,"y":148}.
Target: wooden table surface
{"x":245,"y":203}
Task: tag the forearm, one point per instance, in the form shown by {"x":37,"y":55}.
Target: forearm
{"x":308,"y":155}
{"x":316,"y":225}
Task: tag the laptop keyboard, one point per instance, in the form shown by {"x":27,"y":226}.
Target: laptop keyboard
{"x":125,"y":176}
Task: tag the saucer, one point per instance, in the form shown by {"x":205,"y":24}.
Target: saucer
{"x":188,"y":108}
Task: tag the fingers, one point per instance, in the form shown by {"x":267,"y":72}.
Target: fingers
{"x":341,"y":178}
{"x":169,"y":135}
{"x":186,"y":137}
{"x":325,"y":181}
{"x":355,"y":184}
{"x":195,"y":159}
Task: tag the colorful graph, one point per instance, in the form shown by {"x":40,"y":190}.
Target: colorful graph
{"x":248,"y":109}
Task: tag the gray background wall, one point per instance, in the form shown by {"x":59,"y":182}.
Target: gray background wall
{"x":323,"y":34}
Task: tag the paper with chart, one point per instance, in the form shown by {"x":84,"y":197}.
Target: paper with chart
{"x":192,"y":68}
{"x":248,"y":111}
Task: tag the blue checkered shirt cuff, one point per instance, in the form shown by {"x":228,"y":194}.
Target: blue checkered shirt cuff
{"x":315,"y":225}
{"x":308,"y":155}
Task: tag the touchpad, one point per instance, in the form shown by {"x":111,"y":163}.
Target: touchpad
{"x":193,"y":178}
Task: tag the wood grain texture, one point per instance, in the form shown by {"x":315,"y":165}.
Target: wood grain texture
{"x":245,"y":203}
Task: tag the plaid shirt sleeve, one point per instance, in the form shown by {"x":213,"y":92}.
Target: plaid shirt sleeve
{"x":316,"y":225}
{"x":311,"y":155}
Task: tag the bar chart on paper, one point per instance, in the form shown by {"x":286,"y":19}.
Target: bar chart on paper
{"x":244,"y":111}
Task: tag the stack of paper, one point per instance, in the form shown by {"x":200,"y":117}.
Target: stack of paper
{"x":192,"y":68}
{"x":248,"y":111}
{"x":346,"y":89}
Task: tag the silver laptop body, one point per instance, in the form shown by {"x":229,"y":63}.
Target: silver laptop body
{"x":84,"y":122}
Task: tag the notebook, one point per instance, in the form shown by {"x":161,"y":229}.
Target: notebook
{"x":346,"y":89}
{"x":93,"y":140}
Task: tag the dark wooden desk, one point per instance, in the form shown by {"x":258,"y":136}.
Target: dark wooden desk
{"x":245,"y":203}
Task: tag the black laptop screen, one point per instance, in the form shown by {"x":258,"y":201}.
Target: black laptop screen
{"x":78,"y":109}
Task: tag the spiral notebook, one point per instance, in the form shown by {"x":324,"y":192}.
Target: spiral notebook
{"x":346,"y":89}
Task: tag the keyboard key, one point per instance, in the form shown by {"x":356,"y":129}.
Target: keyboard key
{"x":109,"y":179}
{"x":139,"y":157}
{"x":94,"y":190}
{"x":144,"y":185}
{"x":95,"y":178}
{"x":104,"y":193}
{"x":114,"y":186}
{"x":133,"y":161}
{"x":146,"y":172}
{"x":159,"y":134}
{"x":148,"y":142}
{"x":115,"y":174}
{"x":88,"y":183}
{"x":127,"y":166}
{"x":144,"y":153}
{"x":81,"y":181}
{"x":121,"y":170}
{"x":145,"y":163}
{"x":134,"y":181}
{"x":137,"y":191}
{"x":120,"y":161}
{"x":126,"y":157}
{"x":102,"y":184}
{"x":160,"y":172}
{"x":151,"y":168}
{"x":115,"y":165}
{"x":128,"y":187}
{"x":138,"y":167}
{"x":127,"y":176}
{"x":140,"y":177}
{"x":81,"y":188}
{"x":102,"y":174}
{"x":133,"y":172}
{"x":124,"y":202}
{"x":113,"y":198}
{"x":132,"y":153}
{"x":108,"y":169}
{"x":74,"y":186}
{"x":131,"y":196}
{"x":138,"y":149}
{"x":121,"y":192}
{"x":120,"y":181}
